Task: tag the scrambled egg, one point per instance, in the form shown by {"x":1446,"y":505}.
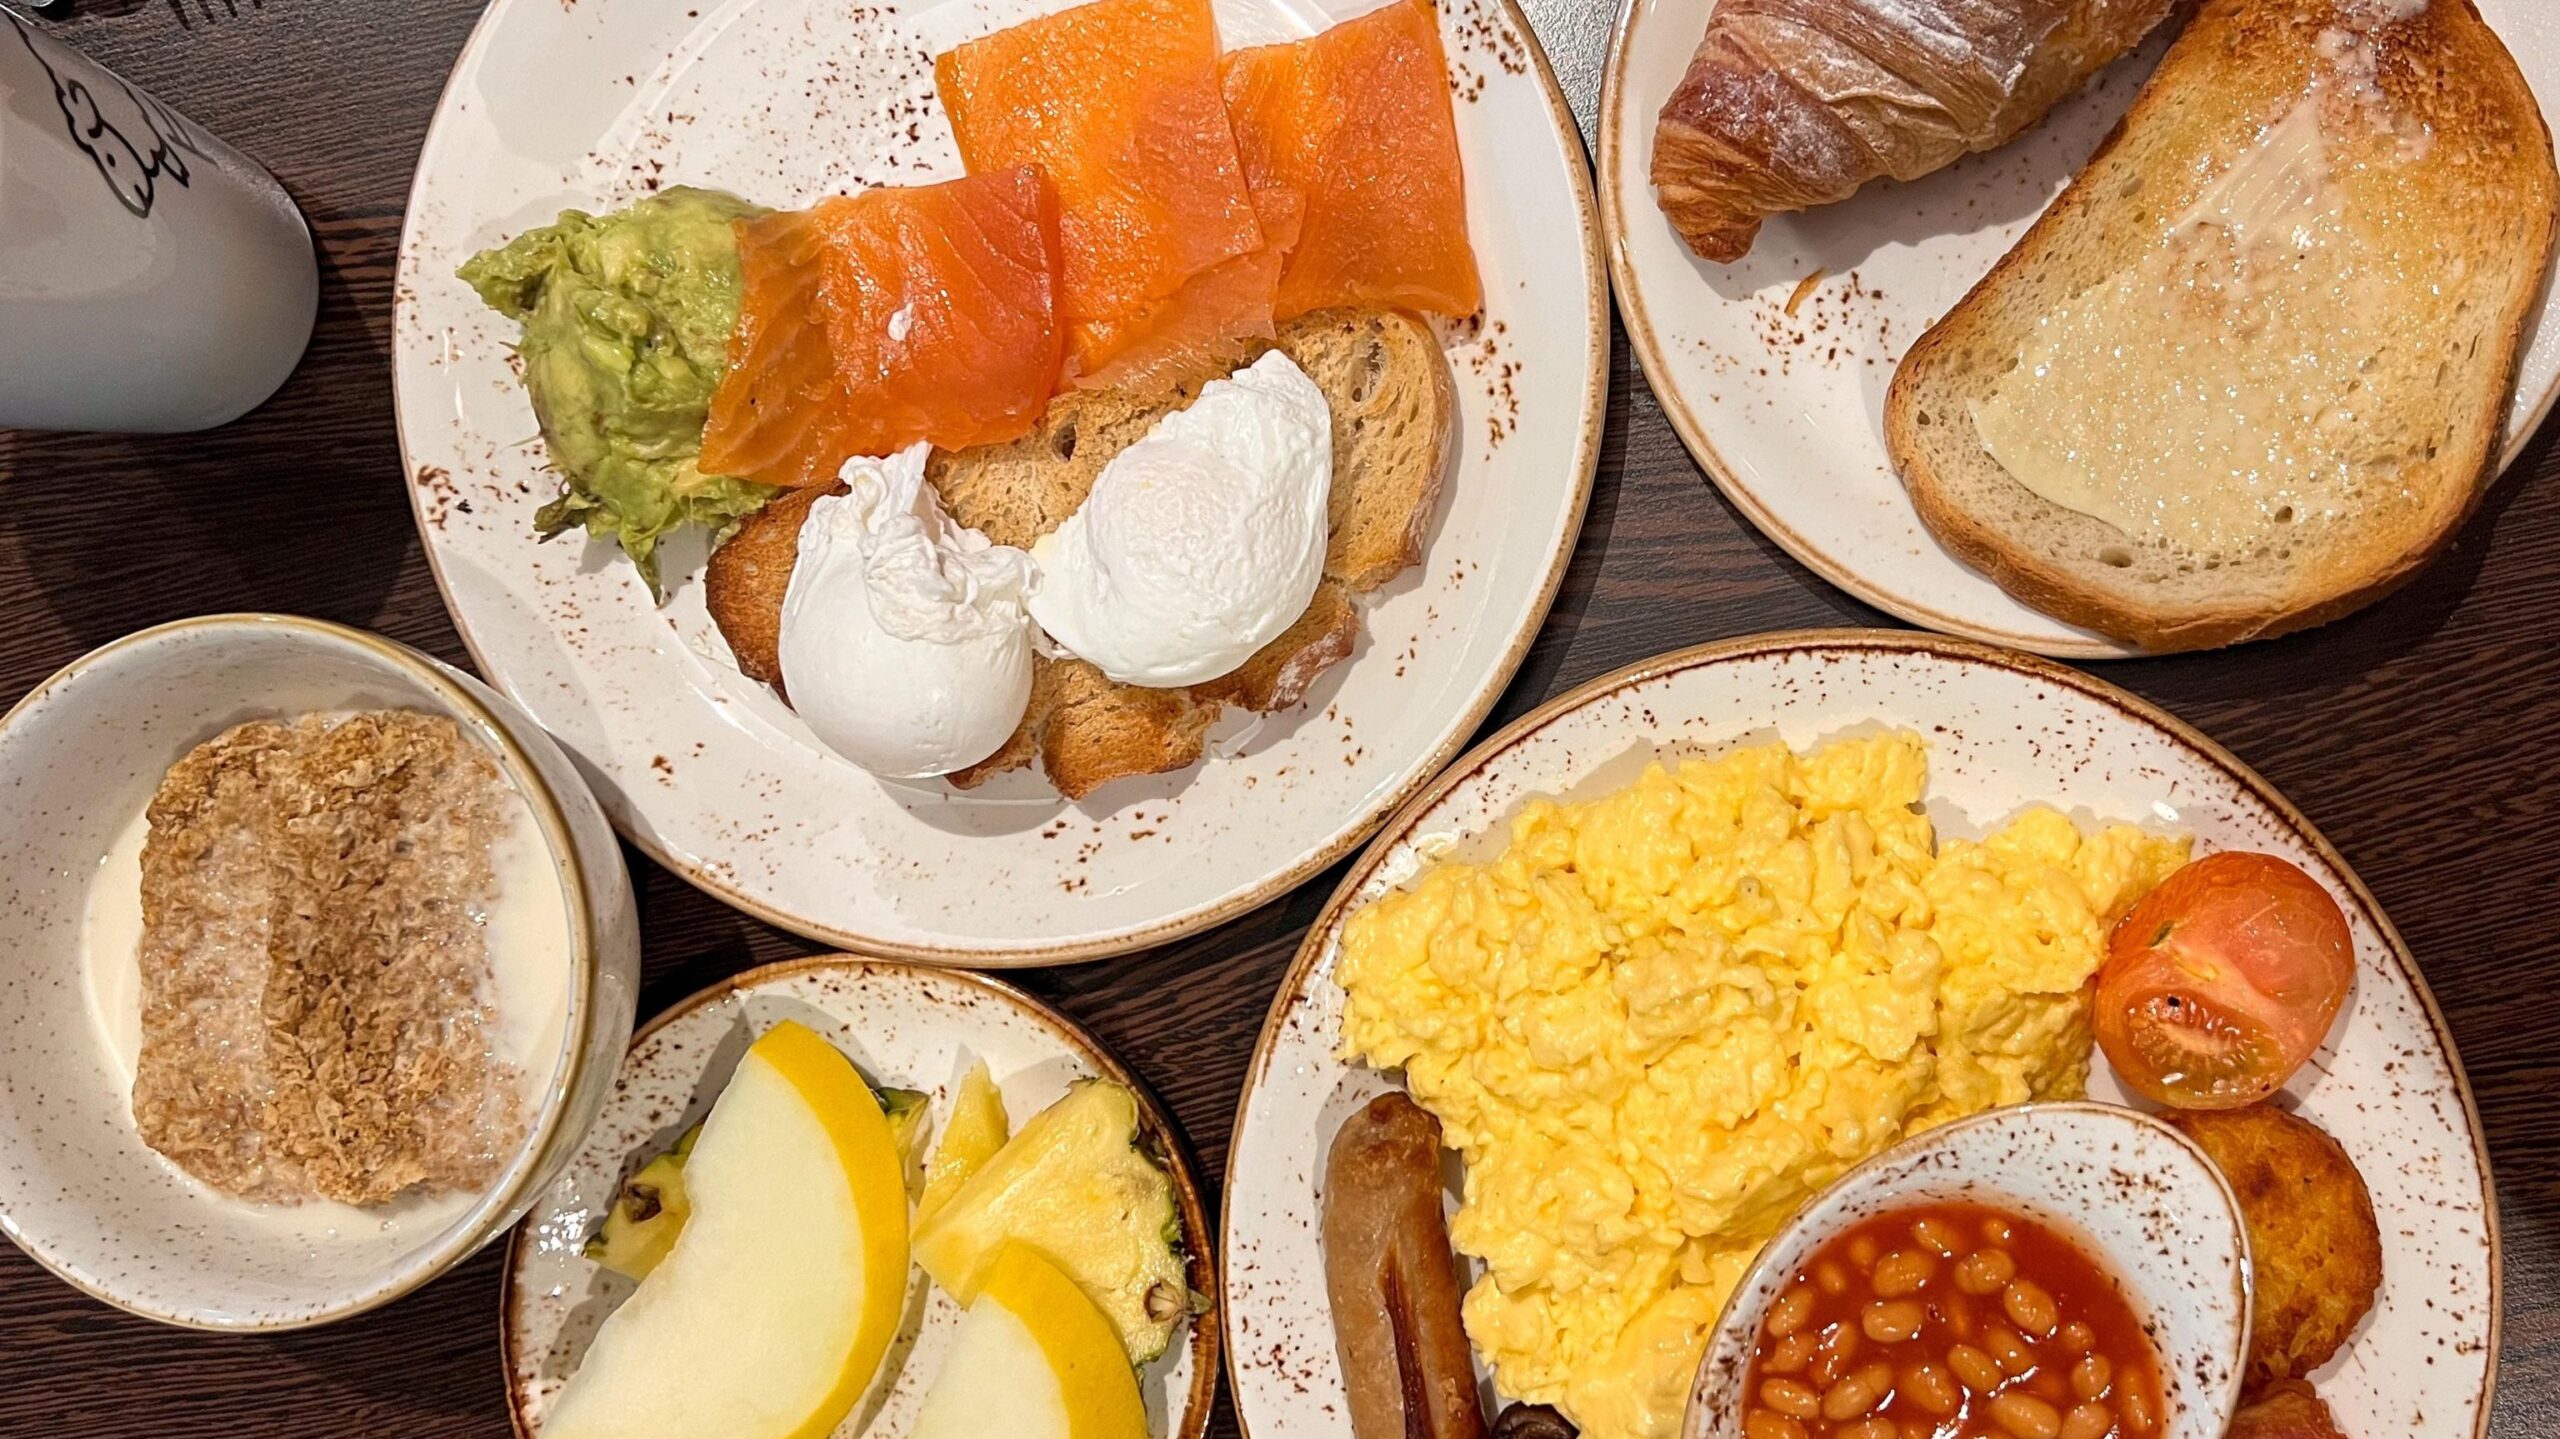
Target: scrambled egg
{"x":1662,"y":1020}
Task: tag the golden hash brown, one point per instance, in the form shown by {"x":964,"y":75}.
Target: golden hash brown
{"x":2312,"y":1238}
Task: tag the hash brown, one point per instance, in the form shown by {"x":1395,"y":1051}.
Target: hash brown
{"x":2313,"y":1243}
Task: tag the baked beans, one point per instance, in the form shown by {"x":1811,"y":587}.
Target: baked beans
{"x":1952,"y":1321}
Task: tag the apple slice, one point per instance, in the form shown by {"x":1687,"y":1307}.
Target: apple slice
{"x":1034,"y":1359}
{"x":769,"y":1317}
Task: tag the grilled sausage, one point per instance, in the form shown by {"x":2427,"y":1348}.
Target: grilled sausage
{"x":1392,"y":1281}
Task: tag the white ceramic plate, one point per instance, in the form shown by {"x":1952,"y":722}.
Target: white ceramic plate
{"x":2005,"y":732}
{"x":1781,"y":398}
{"x":908,"y":1026}
{"x":556,"y":105}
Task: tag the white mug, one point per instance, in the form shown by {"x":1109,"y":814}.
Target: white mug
{"x":152,"y":278}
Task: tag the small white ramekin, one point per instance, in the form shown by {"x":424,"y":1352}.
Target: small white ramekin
{"x":2147,"y":1204}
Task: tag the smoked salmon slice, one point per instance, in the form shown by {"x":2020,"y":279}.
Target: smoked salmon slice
{"x":873,"y":321}
{"x":779,"y":415}
{"x":1357,"y":119}
{"x":1207,"y":321}
{"x":1119,"y":102}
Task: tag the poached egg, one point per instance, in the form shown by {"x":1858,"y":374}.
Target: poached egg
{"x":906,"y":637}
{"x":1203,"y":541}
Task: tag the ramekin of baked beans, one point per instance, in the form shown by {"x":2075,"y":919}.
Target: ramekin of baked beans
{"x":1952,"y":1321}
{"x":2065,"y":1270}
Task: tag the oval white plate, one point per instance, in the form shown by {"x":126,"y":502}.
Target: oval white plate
{"x":555,"y":105}
{"x":1785,"y":410}
{"x":906,"y":1025}
{"x":2005,"y":732}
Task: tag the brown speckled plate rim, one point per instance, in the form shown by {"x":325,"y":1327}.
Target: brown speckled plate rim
{"x":528,"y":781}
{"x":1395,"y":831}
{"x":1208,"y":1327}
{"x":1595,"y":409}
{"x":1650,"y":355}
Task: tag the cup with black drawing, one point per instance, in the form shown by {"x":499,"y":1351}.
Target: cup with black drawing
{"x":152,"y":278}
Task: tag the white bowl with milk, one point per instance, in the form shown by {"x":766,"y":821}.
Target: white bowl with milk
{"x":80,"y":1190}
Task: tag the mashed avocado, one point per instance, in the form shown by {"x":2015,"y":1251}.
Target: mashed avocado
{"x":626,"y":331}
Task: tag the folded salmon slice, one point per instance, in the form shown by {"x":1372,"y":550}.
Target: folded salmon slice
{"x":1119,"y":102}
{"x":1206,"y":323}
{"x":873,"y":321}
{"x":780,"y":414}
{"x":1358,"y":120}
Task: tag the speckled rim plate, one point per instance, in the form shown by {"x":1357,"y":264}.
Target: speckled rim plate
{"x":2005,"y":731}
{"x":553,"y":105}
{"x":1780,"y":396}
{"x":914,"y":1026}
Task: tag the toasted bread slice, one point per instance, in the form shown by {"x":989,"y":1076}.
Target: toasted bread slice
{"x":2431,"y":172}
{"x":1381,"y":371}
{"x":1388,"y":384}
{"x":748,"y":575}
{"x":1281,"y":672}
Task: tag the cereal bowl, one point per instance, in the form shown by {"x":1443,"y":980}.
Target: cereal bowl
{"x":80,"y":1191}
{"x":2133,"y":1195}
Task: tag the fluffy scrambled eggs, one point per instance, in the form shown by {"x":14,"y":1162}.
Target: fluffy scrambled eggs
{"x":1662,"y":1020}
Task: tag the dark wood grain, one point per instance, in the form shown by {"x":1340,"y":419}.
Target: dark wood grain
{"x":2421,"y":735}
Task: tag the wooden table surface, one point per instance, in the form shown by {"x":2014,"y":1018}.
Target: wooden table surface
{"x":2420,"y":735}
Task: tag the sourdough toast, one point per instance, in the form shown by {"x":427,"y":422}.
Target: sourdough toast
{"x":1388,"y":386}
{"x":2404,"y":227}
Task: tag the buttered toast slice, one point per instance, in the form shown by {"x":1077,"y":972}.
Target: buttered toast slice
{"x":1388,"y":385}
{"x":2251,"y":369}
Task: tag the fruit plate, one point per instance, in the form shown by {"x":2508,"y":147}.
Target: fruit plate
{"x":1774,"y":369}
{"x":555,"y":105}
{"x":2004,"y":732}
{"x":908,"y":1026}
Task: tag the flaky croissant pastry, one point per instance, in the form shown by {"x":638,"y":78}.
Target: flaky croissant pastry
{"x":1793,"y":103}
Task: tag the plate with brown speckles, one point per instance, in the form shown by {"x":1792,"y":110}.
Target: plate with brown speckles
{"x":1773,"y":369}
{"x":905,"y":1026}
{"x":590,"y":105}
{"x":1488,"y":978}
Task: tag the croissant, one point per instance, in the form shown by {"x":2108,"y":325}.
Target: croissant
{"x":1789,"y":104}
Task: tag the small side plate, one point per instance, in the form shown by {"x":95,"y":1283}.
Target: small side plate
{"x":912,"y":1026}
{"x":1774,"y":369}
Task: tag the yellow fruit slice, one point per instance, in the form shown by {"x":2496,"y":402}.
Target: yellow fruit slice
{"x":1034,"y":1359}
{"x":770,"y":1316}
{"x":976,"y":1129}
{"x":1074,"y":1186}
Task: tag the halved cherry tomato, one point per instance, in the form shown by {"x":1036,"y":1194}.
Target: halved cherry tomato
{"x":2222,"y":981}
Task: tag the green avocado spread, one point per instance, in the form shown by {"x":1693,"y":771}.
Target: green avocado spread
{"x":626,"y":333}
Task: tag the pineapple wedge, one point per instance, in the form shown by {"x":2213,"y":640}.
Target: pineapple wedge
{"x":909,"y":1112}
{"x":976,"y":1130}
{"x":1073,"y":1186}
{"x":646,"y":1215}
